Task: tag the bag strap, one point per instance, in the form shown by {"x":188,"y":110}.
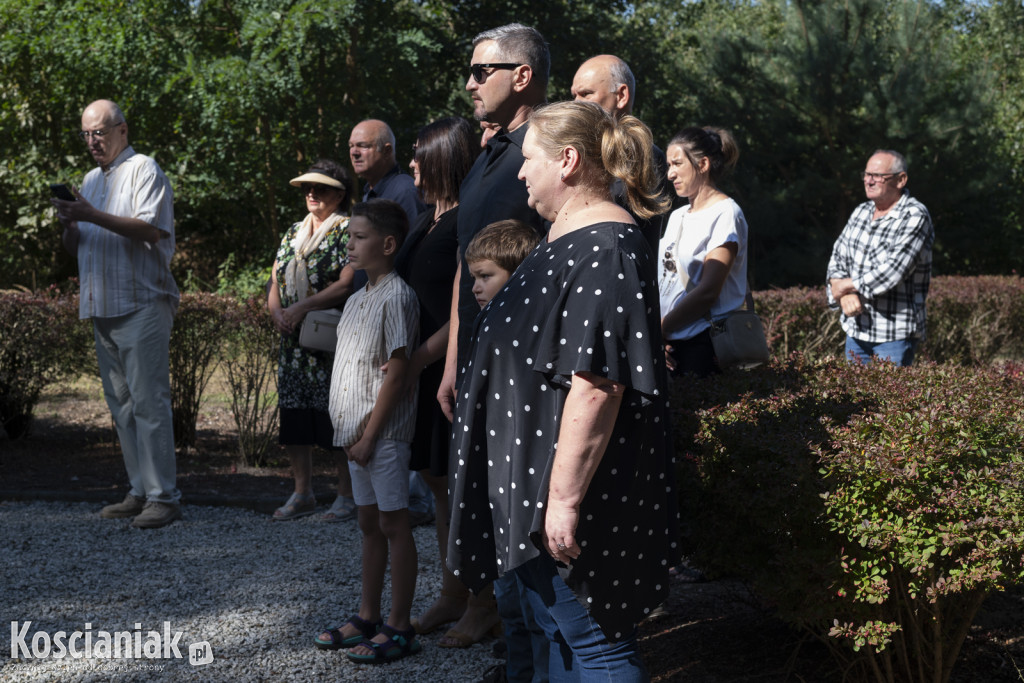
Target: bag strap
{"x":747,"y":305}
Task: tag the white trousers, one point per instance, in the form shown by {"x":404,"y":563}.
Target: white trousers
{"x":132,"y":351}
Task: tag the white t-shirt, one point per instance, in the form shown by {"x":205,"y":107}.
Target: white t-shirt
{"x":689,"y":237}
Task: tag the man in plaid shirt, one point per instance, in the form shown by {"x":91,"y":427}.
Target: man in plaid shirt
{"x":881,"y":266}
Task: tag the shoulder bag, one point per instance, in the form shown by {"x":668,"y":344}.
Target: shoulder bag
{"x":319,"y":330}
{"x":738,"y":338}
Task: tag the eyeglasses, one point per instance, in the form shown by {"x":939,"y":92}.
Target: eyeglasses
{"x":101,"y":133}
{"x":877,"y":177}
{"x":315,"y":188}
{"x":479,"y":75}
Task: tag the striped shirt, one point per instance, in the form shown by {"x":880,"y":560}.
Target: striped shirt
{"x":375,"y":322}
{"x":120,"y":275}
{"x":890,"y":263}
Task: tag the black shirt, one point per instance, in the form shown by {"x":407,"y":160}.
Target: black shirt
{"x":492,"y":191}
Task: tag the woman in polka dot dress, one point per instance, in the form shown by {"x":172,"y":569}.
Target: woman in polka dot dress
{"x":561,"y":456}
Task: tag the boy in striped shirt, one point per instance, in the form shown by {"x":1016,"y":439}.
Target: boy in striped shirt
{"x":374,"y":421}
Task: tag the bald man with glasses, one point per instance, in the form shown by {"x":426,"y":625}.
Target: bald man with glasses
{"x":881,"y":266}
{"x":120,"y":227}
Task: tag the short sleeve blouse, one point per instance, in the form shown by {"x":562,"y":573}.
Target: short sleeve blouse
{"x":586,"y":302}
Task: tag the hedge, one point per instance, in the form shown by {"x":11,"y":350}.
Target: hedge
{"x":971,"y":320}
{"x":874,"y":506}
{"x":42,"y":341}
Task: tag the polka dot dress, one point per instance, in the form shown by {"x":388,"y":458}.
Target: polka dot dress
{"x":587,"y":302}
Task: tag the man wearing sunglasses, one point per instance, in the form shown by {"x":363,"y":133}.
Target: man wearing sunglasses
{"x":508,"y":77}
{"x":121,"y":230}
{"x":881,"y":266}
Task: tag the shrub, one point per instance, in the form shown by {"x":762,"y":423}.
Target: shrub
{"x":971,"y":320}
{"x":975,"y":320}
{"x":799,"y":319}
{"x":880,"y":505}
{"x":200,"y":327}
{"x":41,"y":342}
{"x":250,"y":363}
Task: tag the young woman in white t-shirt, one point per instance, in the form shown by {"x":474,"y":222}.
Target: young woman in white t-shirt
{"x":703,"y":268}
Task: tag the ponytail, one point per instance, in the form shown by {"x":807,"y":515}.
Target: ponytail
{"x":607,"y":148}
{"x":716,"y":144}
{"x":626,"y":150}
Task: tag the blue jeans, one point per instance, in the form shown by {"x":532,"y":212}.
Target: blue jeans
{"x":527,"y":655}
{"x":421,"y":500}
{"x":578,"y":648}
{"x":900,"y":352}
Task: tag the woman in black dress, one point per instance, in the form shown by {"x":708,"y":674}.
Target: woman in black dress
{"x":444,"y":152}
{"x":563,"y":470}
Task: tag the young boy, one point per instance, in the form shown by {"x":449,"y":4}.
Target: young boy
{"x":374,"y":421}
{"x":495,"y":253}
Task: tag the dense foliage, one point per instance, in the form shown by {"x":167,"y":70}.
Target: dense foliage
{"x":880,"y":504}
{"x":234,"y":98}
{"x":42,"y":341}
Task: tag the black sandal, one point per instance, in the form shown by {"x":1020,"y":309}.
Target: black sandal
{"x":337,"y":641}
{"x":399,"y":644}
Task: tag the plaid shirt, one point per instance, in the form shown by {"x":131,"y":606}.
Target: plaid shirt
{"x":890,"y":263}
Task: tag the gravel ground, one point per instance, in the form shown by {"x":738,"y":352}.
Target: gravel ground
{"x":255,"y":590}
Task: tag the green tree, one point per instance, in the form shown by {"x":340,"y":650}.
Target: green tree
{"x":811,"y":89}
{"x":234,"y":97}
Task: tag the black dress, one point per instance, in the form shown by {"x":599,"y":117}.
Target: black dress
{"x":587,"y":302}
{"x":427,"y":261}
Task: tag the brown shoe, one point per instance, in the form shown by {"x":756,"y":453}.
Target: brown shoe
{"x":129,"y":507}
{"x":155,"y":515}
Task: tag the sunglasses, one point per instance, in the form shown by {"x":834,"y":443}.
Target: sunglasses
{"x":315,"y":188}
{"x":479,"y":75}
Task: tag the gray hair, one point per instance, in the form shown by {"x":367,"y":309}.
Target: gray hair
{"x":386,"y":137}
{"x":620,"y":73}
{"x":523,"y":44}
{"x":899,"y":164}
{"x":117,"y":114}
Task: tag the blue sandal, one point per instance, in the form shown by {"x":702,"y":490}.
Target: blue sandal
{"x":337,"y":641}
{"x":399,"y":644}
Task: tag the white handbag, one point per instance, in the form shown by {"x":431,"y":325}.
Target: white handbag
{"x":319,"y":331}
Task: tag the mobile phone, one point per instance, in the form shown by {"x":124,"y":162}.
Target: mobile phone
{"x":61,"y":191}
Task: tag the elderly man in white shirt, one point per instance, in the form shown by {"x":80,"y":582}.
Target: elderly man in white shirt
{"x":121,"y":230}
